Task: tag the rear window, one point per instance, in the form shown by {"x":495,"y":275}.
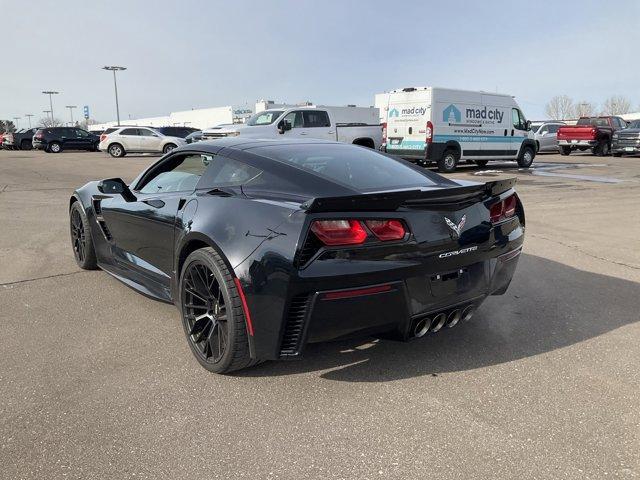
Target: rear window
{"x":350,"y":166}
{"x":596,"y":122}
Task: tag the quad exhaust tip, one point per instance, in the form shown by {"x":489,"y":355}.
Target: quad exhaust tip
{"x":438,"y":322}
{"x":467,"y":313}
{"x":422,"y":327}
{"x":453,"y":318}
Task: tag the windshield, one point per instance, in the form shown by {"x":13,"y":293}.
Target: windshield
{"x":635,"y":124}
{"x":350,"y":166}
{"x":264,"y":118}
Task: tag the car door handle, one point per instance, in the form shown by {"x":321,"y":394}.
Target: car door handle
{"x":331,"y":132}
{"x":303,"y":133}
{"x":154,"y":203}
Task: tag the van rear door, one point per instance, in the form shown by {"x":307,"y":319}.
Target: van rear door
{"x":407,"y":123}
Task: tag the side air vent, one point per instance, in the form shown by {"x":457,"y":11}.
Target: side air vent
{"x":311,"y":246}
{"x":105,"y":230}
{"x":294,"y":325}
{"x":96,"y":206}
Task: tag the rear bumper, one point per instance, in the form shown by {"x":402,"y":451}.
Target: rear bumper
{"x":38,"y":144}
{"x":577,"y":143}
{"x":389,"y":300}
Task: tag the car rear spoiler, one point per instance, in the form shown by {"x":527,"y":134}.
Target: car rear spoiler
{"x":393,"y":200}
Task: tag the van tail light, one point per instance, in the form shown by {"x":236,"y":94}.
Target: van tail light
{"x":429,"y":135}
{"x":384,"y":133}
{"x":339,"y":232}
{"x":386,"y":230}
{"x":504,"y":209}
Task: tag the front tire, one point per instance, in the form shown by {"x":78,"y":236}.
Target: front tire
{"x":55,"y":147}
{"x":116,"y":150}
{"x":526,"y":157}
{"x":448,"y":162}
{"x":81,"y":242}
{"x":565,"y":151}
{"x":212,"y":314}
{"x":25,"y":145}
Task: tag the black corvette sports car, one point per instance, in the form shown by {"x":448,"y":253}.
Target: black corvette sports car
{"x":266,"y":245}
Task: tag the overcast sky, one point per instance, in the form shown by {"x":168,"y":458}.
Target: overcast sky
{"x":192,"y":54}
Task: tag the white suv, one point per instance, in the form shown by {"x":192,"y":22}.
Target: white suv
{"x":119,"y":141}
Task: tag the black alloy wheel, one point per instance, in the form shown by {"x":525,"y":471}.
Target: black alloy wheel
{"x":205,"y":313}
{"x":81,"y":241}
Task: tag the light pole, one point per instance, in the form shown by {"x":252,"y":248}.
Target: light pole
{"x":48,"y":112}
{"x":50,"y":93}
{"x":29,"y":115}
{"x":71,"y":107}
{"x":115,"y":69}
{"x":15,"y":122}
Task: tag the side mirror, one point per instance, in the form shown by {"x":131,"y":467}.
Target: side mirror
{"x":528,"y":125}
{"x":284,"y":126}
{"x":116,"y":186}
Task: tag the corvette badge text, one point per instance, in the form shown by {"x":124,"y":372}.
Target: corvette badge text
{"x":458,"y":252}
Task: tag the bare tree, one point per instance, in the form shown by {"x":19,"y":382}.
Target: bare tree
{"x":585,"y":109}
{"x":560,"y":107}
{"x":49,"y":122}
{"x":616,"y":105}
{"x":7,"y":126}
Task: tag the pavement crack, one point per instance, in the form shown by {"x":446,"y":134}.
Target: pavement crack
{"x":592,"y":255}
{"x":26,"y":280}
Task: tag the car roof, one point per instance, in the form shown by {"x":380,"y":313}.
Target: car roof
{"x":239,"y":143}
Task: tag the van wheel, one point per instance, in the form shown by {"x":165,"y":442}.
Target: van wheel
{"x":448,"y":162}
{"x":481,"y":163}
{"x":526,"y":157}
{"x":565,"y":150}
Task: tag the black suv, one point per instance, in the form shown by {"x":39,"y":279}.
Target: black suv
{"x":180,"y":132}
{"x":56,"y":139}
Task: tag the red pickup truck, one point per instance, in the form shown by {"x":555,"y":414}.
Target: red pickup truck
{"x":589,"y":133}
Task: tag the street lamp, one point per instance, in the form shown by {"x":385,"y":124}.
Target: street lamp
{"x":115,"y":69}
{"x":15,"y":122}
{"x":50,"y":93}
{"x":48,"y":112}
{"x":71,"y":107}
{"x":29,"y":115}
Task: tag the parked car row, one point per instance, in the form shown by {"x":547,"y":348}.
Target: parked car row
{"x":20,"y":140}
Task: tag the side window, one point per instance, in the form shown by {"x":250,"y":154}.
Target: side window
{"x":294,"y":118}
{"x":67,"y":132}
{"x":545,"y":129}
{"x":314,"y":119}
{"x":145,"y":132}
{"x":225,"y":171}
{"x":129,"y":131}
{"x":81,"y":133}
{"x":519,"y":122}
{"x":179,"y":173}
{"x":553,"y":128}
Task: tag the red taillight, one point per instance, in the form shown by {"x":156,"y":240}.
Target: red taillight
{"x":503,"y":209}
{"x":339,"y":232}
{"x":429,"y":134}
{"x":386,"y":230}
{"x":384,"y":133}
{"x":103,"y":137}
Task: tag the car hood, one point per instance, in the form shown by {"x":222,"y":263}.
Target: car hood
{"x":633,"y":131}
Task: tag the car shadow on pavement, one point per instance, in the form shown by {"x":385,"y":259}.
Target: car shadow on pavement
{"x":548,"y":306}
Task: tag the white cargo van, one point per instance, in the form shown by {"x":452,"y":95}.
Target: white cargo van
{"x":445,"y":126}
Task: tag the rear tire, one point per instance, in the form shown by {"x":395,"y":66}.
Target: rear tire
{"x":168,"y":147}
{"x":449,"y":161}
{"x":81,"y":242}
{"x":617,"y":154}
{"x":526,"y":157}
{"x":25,"y":145}
{"x":481,"y":163}
{"x":208,"y":294}
{"x":602,"y":149}
{"x":55,"y":147}
{"x":565,"y":150}
{"x":116,"y":150}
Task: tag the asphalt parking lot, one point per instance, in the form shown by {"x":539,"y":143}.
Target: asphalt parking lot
{"x":97,"y":381}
